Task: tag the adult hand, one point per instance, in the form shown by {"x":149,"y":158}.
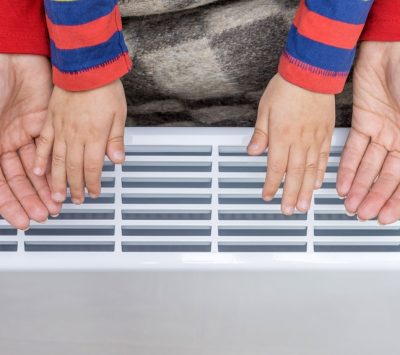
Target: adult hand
{"x":25,"y":86}
{"x":369,"y":171}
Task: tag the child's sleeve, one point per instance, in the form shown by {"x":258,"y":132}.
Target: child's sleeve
{"x":86,"y":43}
{"x":321,"y":43}
{"x":383,"y":22}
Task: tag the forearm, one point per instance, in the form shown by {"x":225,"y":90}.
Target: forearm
{"x":321,"y":44}
{"x":23,"y":27}
{"x":87,"y":45}
{"x":383,"y":22}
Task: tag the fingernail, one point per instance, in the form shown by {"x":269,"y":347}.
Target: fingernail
{"x":361,"y":220}
{"x":253,"y":146}
{"x":26,"y":229}
{"x":341,"y":197}
{"x":37,"y":171}
{"x":288,"y":210}
{"x":94,"y":196}
{"x":318,"y":184}
{"x":118,"y":155}
{"x":267,"y":198}
{"x":303,"y":205}
{"x":58,"y":197}
{"x":76,"y":201}
{"x":55,"y":215}
{"x":350,"y":214}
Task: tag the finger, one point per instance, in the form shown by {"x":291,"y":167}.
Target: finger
{"x":259,"y":140}
{"x":40,"y":183}
{"x":74,"y":165}
{"x":115,"y":145}
{"x":322,"y":163}
{"x":390,"y":213}
{"x":10,"y":208}
{"x":294,"y":178}
{"x":382,"y":190}
{"x":367,"y":172}
{"x":44,"y":146}
{"x":310,"y":176}
{"x":353,"y":152}
{"x":93,"y":165}
{"x":21,"y":187}
{"x":58,"y":171}
{"x":278,"y":153}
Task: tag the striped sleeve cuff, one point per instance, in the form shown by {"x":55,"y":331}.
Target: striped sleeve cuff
{"x":320,"y":49}
{"x":86,"y":43}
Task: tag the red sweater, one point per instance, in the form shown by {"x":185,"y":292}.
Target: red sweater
{"x":383,"y":22}
{"x":23,"y":29}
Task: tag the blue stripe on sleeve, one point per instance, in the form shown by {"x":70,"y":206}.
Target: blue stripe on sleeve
{"x":78,"y":12}
{"x":318,"y":54}
{"x":73,"y":60}
{"x":350,"y":11}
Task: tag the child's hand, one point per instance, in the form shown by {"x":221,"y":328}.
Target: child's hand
{"x":80,"y":128}
{"x":297,"y":125}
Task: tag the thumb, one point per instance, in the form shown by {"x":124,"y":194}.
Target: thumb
{"x":115,"y":144}
{"x":259,"y":141}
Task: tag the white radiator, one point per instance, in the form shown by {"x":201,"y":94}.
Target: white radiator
{"x":180,"y":255}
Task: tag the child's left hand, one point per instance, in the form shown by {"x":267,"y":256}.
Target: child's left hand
{"x":80,"y":128}
{"x":296,"y":125}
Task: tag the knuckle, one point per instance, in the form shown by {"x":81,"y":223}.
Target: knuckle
{"x":387,"y":178}
{"x":43,"y":141}
{"x":297,"y":170}
{"x":116,"y":139}
{"x":324,"y":156}
{"x":311,"y":167}
{"x":93,"y":168}
{"x":58,"y":159}
{"x":276,"y":168}
{"x":73,"y":167}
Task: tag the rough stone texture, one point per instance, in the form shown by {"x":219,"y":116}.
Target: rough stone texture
{"x":205,"y":62}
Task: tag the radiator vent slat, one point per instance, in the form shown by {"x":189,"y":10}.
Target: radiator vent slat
{"x":166,"y":247}
{"x":103,"y":198}
{"x":166,"y":198}
{"x":8,"y":246}
{"x":65,"y":230}
{"x":243,"y":215}
{"x":261,"y":248}
{"x":356,"y":232}
{"x":166,"y":183}
{"x":162,"y":166}
{"x":166,"y":231}
{"x":265,"y":232}
{"x":6,"y":230}
{"x":245,"y":200}
{"x":89,"y":214}
{"x":356,"y":248}
{"x":169,"y":150}
{"x":166,"y":215}
{"x":69,"y":246}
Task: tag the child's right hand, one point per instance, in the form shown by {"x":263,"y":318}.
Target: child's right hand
{"x":80,"y":128}
{"x":297,"y":126}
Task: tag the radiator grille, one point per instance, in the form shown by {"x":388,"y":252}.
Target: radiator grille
{"x":197,"y":190}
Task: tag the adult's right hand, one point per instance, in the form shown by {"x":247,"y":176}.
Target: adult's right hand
{"x":25,"y":86}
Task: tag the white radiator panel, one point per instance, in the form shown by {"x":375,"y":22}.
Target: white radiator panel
{"x":180,"y":255}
